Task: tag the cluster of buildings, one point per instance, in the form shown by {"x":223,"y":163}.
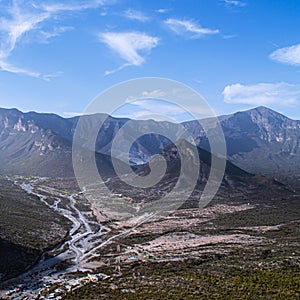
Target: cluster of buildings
{"x":59,"y":289}
{"x":54,"y":289}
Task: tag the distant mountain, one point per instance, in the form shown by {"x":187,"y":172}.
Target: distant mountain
{"x":189,"y":184}
{"x":259,"y":140}
{"x":30,"y":144}
{"x":235,"y":182}
{"x":141,"y":150}
{"x":41,"y":144}
{"x":35,"y":144}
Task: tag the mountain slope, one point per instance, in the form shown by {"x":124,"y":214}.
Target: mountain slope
{"x":27,"y":228}
{"x":35,"y":144}
{"x":236,"y":186}
{"x":262,"y":140}
{"x":259,"y":140}
{"x":28,"y":146}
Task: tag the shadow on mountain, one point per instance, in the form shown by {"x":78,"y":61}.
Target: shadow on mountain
{"x":232,"y":176}
{"x":16,"y":259}
{"x":28,"y":228}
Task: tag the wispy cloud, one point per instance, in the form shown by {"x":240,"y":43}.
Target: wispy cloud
{"x":71,"y":6}
{"x":19,"y":23}
{"x":46,"y":36}
{"x":158,"y":94}
{"x":163,"y":10}
{"x":229,"y":36}
{"x":130,"y":46}
{"x":152,"y":109}
{"x":71,"y":114}
{"x":4,"y":66}
{"x":189,"y":28}
{"x":157,"y":106}
{"x":136,"y":15}
{"x":281,"y":93}
{"x":48,"y":77}
{"x":235,"y":3}
{"x":24,"y":17}
{"x":12,"y":29}
{"x":288,"y":55}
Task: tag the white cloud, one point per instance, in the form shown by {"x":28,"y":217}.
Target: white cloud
{"x":45,"y":36}
{"x":71,"y":6}
{"x":23,"y":17}
{"x":154,"y":94}
{"x":136,"y":15}
{"x":12,"y":30}
{"x":19,"y":23}
{"x":163,"y":10}
{"x":4,"y":66}
{"x":7,"y":67}
{"x":235,"y":3}
{"x":189,"y":28}
{"x":262,"y":93}
{"x":129,"y":46}
{"x":71,"y":114}
{"x":158,"y":107}
{"x":48,"y":77}
{"x":229,"y":36}
{"x":159,"y":110}
{"x":158,"y":94}
{"x":287,"y":55}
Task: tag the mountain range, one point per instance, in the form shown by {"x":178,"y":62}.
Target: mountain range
{"x":259,"y":140}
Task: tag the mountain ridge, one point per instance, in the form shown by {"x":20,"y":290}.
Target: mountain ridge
{"x":259,"y":140}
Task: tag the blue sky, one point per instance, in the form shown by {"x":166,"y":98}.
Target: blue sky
{"x":56,"y":56}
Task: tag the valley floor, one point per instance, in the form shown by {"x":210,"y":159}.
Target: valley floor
{"x":240,"y":247}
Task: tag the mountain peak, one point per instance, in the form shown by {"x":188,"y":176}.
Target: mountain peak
{"x":263,"y":109}
{"x":265,"y":112}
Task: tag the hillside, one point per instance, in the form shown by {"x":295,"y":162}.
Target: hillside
{"x":259,"y":140}
{"x":27,"y":228}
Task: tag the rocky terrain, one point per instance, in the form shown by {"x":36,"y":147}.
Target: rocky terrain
{"x":58,"y":241}
{"x":258,"y":140}
{"x":263,"y":141}
{"x":234,"y":249}
{"x":247,"y":240}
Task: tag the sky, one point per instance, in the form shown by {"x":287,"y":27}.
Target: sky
{"x":56,"y":56}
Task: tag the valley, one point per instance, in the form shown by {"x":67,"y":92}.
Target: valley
{"x":149,"y":150}
{"x":84,"y":233}
{"x":107,"y":239}
{"x":240,"y":234}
